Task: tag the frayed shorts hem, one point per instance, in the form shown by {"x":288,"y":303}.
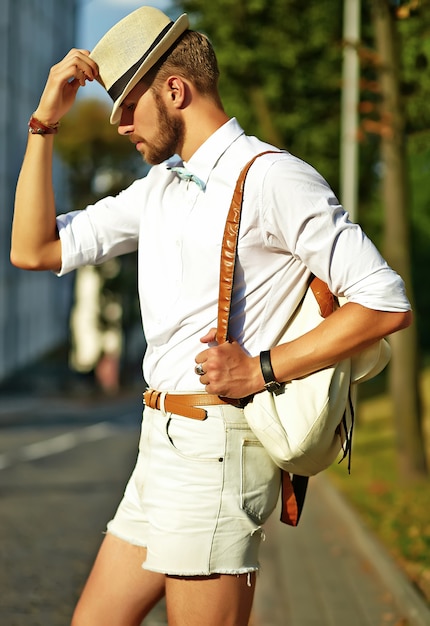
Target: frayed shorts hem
{"x":226,"y":572}
{"x":231,"y":572}
{"x":129,"y":540}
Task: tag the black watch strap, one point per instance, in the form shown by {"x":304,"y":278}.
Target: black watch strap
{"x":270,"y":382}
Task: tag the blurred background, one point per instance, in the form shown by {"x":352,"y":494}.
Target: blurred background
{"x":343,"y":84}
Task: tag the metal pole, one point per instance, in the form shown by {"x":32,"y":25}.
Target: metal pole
{"x":349,"y":108}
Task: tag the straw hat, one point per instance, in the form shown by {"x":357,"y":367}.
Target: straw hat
{"x":130,"y":48}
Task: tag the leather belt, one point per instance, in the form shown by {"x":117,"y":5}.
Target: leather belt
{"x":187,"y":404}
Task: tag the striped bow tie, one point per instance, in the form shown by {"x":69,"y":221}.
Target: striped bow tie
{"x":185,"y":174}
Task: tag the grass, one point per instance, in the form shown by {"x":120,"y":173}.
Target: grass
{"x":398,"y":512}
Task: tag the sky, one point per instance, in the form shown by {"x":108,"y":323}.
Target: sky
{"x":96,"y":17}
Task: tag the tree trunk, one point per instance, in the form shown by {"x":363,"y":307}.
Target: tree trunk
{"x":404,"y":367}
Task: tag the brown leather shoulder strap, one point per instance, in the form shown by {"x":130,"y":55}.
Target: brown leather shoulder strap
{"x":320,"y":289}
{"x":228,"y":252}
{"x":323,"y":295}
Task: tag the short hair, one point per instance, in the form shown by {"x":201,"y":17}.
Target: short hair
{"x":192,"y":57}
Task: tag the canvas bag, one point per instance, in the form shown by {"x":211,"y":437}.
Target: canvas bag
{"x":308,"y":423}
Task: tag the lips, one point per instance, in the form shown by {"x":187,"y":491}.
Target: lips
{"x":138,"y":142}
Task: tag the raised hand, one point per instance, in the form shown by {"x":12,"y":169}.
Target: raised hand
{"x":64,"y":80}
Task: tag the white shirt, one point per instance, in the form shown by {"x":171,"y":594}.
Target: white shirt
{"x":292,"y":225}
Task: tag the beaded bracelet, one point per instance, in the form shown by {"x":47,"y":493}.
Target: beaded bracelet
{"x":36,"y":127}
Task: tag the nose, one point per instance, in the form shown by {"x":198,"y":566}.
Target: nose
{"x":126,"y":126}
{"x":125,"y":129}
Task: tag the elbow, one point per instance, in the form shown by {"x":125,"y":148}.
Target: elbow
{"x":17,"y":260}
{"x":406,"y":319}
{"x":36,"y":258}
{"x":21,"y":255}
{"x":23,"y":262}
{"x":398,"y":321}
{"x":26,"y":261}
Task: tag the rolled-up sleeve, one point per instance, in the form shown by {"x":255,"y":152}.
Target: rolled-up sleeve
{"x":311,"y":224}
{"x":101,"y":231}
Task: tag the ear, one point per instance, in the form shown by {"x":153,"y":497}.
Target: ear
{"x":177,"y":91}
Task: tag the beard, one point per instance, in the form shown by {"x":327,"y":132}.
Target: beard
{"x":171,"y":131}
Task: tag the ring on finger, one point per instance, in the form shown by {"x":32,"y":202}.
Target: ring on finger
{"x":199,"y":369}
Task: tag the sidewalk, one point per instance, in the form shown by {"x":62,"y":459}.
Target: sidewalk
{"x":331,"y":571}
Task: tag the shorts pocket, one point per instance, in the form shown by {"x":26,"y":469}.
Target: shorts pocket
{"x":260,"y":481}
{"x":195,"y":439}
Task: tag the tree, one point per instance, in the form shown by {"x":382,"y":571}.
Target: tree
{"x":414,"y":85}
{"x":282,"y":83}
{"x":404,"y":370}
{"x":413,"y":31}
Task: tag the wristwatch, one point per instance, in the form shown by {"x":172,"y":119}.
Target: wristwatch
{"x":270,"y":382}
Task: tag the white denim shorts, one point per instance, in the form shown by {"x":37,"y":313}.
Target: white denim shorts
{"x":199,"y":494}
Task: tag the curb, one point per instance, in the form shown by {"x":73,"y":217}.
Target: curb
{"x":407,"y":597}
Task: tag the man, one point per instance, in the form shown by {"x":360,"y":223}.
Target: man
{"x":190,"y":523}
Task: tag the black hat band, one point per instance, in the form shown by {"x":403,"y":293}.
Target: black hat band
{"x":119,"y":85}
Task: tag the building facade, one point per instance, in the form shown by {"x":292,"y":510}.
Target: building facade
{"x":34,"y":307}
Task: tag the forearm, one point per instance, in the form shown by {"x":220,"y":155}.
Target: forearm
{"x":344,"y":333}
{"x":35,"y":242}
{"x":230,"y":372}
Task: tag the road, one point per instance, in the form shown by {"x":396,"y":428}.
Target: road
{"x":59,"y":484}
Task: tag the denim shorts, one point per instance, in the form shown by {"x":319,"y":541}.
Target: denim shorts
{"x":199,"y":494}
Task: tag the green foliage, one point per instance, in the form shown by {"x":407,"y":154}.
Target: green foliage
{"x":414,"y":35}
{"x":91,"y":147}
{"x":280,"y":65}
{"x":420,"y":249}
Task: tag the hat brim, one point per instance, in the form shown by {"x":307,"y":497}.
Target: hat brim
{"x":179,"y":27}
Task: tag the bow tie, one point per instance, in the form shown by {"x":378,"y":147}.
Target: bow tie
{"x":185,"y":174}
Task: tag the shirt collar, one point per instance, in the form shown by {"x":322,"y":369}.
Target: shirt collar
{"x":205,"y":158}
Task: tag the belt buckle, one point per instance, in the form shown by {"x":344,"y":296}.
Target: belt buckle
{"x":160,"y":397}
